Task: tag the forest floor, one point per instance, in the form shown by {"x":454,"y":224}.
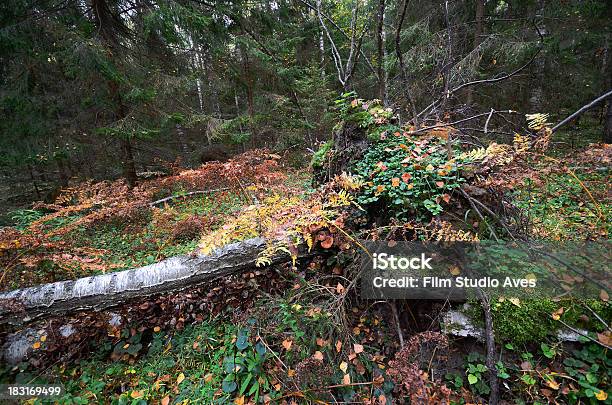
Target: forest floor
{"x":321,"y":343}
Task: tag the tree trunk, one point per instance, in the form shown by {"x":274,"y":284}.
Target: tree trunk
{"x":249,"y":89}
{"x":107,"y":290}
{"x":400,"y":60}
{"x":380,"y":44}
{"x":607,"y":138}
{"x":129,"y":167}
{"x":477,"y":40}
{"x":537,"y":90}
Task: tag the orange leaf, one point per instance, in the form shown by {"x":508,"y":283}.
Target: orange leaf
{"x":446,"y":198}
{"x":406,"y":177}
{"x":395,"y":182}
{"x":327,"y":242}
{"x":603,"y":294}
{"x":165,"y":400}
{"x":287,"y":344}
{"x":339,"y":288}
{"x":440,"y":183}
{"x":346,"y":379}
{"x":318,"y":356}
{"x":338,"y":346}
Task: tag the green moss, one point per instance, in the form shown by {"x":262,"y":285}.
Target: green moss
{"x":318,"y":159}
{"x":531,"y":322}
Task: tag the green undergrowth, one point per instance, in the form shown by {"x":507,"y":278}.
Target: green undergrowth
{"x":562,"y":209}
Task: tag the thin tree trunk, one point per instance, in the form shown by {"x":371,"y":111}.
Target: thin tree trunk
{"x":400,"y":59}
{"x":477,"y":40}
{"x":249,"y":89}
{"x":537,"y":91}
{"x":129,"y":167}
{"x":380,"y":45}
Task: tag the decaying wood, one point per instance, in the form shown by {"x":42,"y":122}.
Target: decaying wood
{"x":107,"y":290}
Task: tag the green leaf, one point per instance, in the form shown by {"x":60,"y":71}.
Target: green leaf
{"x":472,"y":379}
{"x":229,"y":386}
{"x":245,"y":383}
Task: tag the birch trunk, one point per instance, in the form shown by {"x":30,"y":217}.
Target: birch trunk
{"x":107,"y":290}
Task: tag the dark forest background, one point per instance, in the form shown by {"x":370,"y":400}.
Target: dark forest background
{"x":108,"y":88}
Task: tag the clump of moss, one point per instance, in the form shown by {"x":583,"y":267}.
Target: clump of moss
{"x":531,"y":321}
{"x":318,"y":159}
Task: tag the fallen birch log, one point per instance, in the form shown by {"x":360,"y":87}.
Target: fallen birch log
{"x":107,"y":290}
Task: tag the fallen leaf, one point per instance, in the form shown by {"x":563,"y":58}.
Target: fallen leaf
{"x":605,"y":338}
{"x":287,"y":344}
{"x":318,"y":356}
{"x":406,"y":177}
{"x":603,"y":294}
{"x":440,"y":184}
{"x":343,"y":366}
{"x":321,"y":342}
{"x":136,"y":394}
{"x":454,"y":270}
{"x":446,"y":198}
{"x":290,"y":373}
{"x":180,"y":378}
{"x":239,"y":400}
{"x":36,"y":345}
{"x":327,"y":242}
{"x":515,"y":301}
{"x":346,"y":379}
{"x":553,"y":384}
{"x":165,"y":400}
{"x":339,"y":288}
{"x":338,"y":346}
{"x":43,"y":338}
{"x":208,"y":377}
{"x":395,"y":182}
{"x":557,"y":314}
{"x":156,"y":329}
{"x":357,"y":348}
{"x":601,"y":395}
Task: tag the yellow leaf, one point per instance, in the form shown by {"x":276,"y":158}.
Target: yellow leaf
{"x":455,"y":270}
{"x":601,"y":395}
{"x":136,"y":394}
{"x":557,"y":314}
{"x":239,"y":400}
{"x":344,"y":366}
{"x":515,"y":301}
{"x":43,"y":338}
{"x":553,"y":384}
{"x":180,"y":378}
{"x":429,"y":168}
{"x":156,"y":329}
{"x":290,"y":373}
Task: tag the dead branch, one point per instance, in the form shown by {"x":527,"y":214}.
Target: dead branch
{"x":583,"y":109}
{"x":172,"y":197}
